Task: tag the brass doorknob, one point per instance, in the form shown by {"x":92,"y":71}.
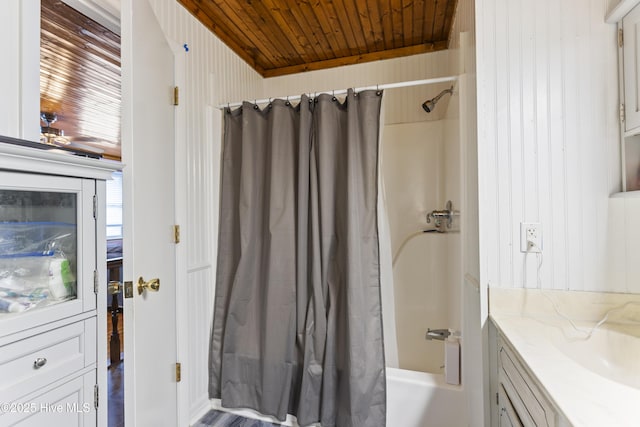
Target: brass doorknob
{"x":114,"y":288}
{"x":152,"y":285}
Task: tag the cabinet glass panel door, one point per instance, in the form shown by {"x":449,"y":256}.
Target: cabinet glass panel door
{"x":38,"y":249}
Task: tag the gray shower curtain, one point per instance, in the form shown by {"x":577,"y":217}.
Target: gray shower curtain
{"x":297,"y":323}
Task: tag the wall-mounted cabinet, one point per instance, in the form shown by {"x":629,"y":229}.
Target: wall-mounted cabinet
{"x":631,"y":70}
{"x":629,"y":48}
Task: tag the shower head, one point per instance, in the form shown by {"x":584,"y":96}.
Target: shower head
{"x":430,"y":104}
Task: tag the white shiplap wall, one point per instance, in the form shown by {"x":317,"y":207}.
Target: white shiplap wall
{"x":398,"y":109}
{"x":408,"y":68}
{"x":212,"y":73}
{"x":548,"y":138}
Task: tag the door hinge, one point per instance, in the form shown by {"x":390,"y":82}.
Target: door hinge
{"x":176,"y":234}
{"x":96,"y":282}
{"x":622,"y":113}
{"x":620,"y":37}
{"x":96,"y":398}
{"x":176,"y":95}
{"x":178,"y":372}
{"x":95,"y":206}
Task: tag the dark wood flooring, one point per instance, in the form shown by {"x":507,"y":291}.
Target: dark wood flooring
{"x":115,"y":379}
{"x":115,"y":395}
{"x":115,"y":384}
{"x":223,"y":419}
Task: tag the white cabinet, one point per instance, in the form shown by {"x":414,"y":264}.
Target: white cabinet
{"x":631,"y":70}
{"x":522,"y":400}
{"x":629,"y":76}
{"x":65,"y":403}
{"x":52,"y":288}
{"x":508,"y":414}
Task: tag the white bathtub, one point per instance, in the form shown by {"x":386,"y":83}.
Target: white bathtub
{"x":420,"y":399}
{"x":414,"y":399}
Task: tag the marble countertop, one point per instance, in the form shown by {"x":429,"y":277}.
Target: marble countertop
{"x":583,"y":397}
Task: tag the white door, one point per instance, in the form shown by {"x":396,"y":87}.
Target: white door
{"x":148,"y":152}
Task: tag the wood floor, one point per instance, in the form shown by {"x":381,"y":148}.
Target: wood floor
{"x":115,"y":395}
{"x":115,"y":380}
{"x":224,"y":419}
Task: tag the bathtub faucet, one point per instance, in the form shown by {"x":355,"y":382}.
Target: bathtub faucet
{"x":437,"y":334}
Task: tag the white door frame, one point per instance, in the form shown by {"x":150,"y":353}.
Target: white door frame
{"x":181,"y":215}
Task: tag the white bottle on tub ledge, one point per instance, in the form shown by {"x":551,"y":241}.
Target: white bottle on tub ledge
{"x":452,"y":358}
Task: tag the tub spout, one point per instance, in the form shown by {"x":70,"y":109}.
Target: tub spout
{"x":437,"y":334}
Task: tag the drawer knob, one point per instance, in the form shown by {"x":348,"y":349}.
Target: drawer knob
{"x":39,"y":362}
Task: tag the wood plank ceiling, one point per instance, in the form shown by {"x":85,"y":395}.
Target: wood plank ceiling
{"x":278,"y":37}
{"x":80,"y":77}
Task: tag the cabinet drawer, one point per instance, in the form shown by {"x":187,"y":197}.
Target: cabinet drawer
{"x":60,"y":352}
{"x":528,"y":401}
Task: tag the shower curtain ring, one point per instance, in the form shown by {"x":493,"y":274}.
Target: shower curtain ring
{"x":378,"y":90}
{"x":255,"y":104}
{"x":333,"y":95}
{"x":287,"y":103}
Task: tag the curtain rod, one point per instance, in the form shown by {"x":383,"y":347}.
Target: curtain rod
{"x":343,"y":91}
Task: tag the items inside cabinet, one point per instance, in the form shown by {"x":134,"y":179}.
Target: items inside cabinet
{"x":38,"y":249}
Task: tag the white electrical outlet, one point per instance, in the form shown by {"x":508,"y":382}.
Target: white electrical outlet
{"x":530,"y":237}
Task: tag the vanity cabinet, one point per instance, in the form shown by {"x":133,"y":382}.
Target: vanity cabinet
{"x":521,"y":399}
{"x":52,"y":280}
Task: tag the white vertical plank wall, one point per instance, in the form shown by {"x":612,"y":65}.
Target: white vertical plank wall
{"x":397,"y":109}
{"x":213,"y":74}
{"x":548,"y":139}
